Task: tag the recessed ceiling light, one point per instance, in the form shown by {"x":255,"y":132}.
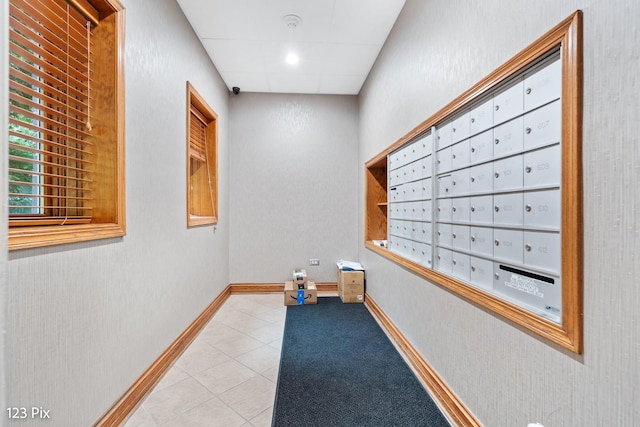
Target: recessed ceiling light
{"x":292,"y":59}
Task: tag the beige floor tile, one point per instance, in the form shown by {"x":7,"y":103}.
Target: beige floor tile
{"x":212,"y":413}
{"x":272,"y":373}
{"x":200,"y":356}
{"x":140,"y":418}
{"x":242,"y":322}
{"x":269,"y":333}
{"x":277,"y":344}
{"x":166,"y":404}
{"x":238,"y":346}
{"x":218,"y":331}
{"x":251,"y":397}
{"x":263,"y":419}
{"x":260,"y":359}
{"x":224,"y":376}
{"x":174,"y":375}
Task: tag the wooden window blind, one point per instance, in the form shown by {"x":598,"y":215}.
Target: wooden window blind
{"x":51,"y":161}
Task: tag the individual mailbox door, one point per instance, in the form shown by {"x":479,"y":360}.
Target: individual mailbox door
{"x":426,"y":166}
{"x":426,"y":206}
{"x":481,"y":273}
{"x":460,"y":128}
{"x":443,"y":210}
{"x":460,"y":266}
{"x":542,"y":85}
{"x":481,"y":240}
{"x":424,"y":232}
{"x":424,"y":255}
{"x":405,"y":229}
{"x":444,"y":234}
{"x":393,"y":227}
{"x":507,"y":173}
{"x":509,"y":102}
{"x":425,"y":188}
{"x":481,"y":209}
{"x":481,"y":147}
{"x":542,"y":250}
{"x":508,"y":138}
{"x":460,"y":154}
{"x":443,"y":260}
{"x":542,"y":167}
{"x":481,"y":178}
{"x":405,"y":211}
{"x":443,"y":136}
{"x":426,"y":144}
{"x":460,"y":182}
{"x":416,"y":210}
{"x":444,"y":185}
{"x":542,"y":209}
{"x":507,"y":245}
{"x":460,"y":209}
{"x":481,"y":117}
{"x":414,"y":190}
{"x":460,"y":237}
{"x":507,"y":209}
{"x":443,"y":160}
{"x":543,"y":126}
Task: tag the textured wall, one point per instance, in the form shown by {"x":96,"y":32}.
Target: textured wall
{"x":508,"y":376}
{"x":85,"y":320}
{"x":294,"y":182}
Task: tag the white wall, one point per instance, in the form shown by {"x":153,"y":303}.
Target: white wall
{"x":508,"y":376}
{"x":85,"y":320}
{"x":294,"y":178}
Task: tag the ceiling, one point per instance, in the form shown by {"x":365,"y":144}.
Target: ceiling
{"x":336,"y":41}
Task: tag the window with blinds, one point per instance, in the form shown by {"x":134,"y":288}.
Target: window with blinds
{"x":201,"y":161}
{"x":58,"y":175}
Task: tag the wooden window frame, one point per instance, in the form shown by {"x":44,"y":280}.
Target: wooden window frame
{"x":202,"y":184}
{"x":108,"y":136}
{"x":567,"y":36}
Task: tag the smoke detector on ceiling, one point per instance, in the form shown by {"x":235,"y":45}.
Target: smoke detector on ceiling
{"x":292,"y":21}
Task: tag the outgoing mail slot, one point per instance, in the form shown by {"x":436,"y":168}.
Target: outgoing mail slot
{"x":481,"y":240}
{"x":443,"y":210}
{"x":460,"y":209}
{"x":443,"y":160}
{"x":507,"y":209}
{"x":509,"y":102}
{"x":460,"y":182}
{"x":460,"y":266}
{"x":460,"y":154}
{"x":507,"y":245}
{"x":542,"y":167}
{"x":444,"y":234}
{"x":481,"y":117}
{"x":543,"y":85}
{"x":508,"y":138}
{"x":481,"y":273}
{"x":460,"y":128}
{"x":542,"y":250}
{"x":481,"y":178}
{"x":543,"y":126}
{"x":481,"y":209}
{"x":481,"y":147}
{"x":460,"y":237}
{"x":542,"y":209}
{"x":443,"y":260}
{"x":507,"y":173}
{"x":443,"y":136}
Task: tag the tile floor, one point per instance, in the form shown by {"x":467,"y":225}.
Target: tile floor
{"x":227,"y":377}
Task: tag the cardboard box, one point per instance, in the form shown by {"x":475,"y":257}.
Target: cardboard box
{"x":295,"y":296}
{"x":351,"y":286}
{"x":300,"y":278}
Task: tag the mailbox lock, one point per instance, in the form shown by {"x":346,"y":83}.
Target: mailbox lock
{"x":473,"y":238}
{"x":527,"y":131}
{"x":473,"y":120}
{"x":473,"y":149}
{"x":528,"y":90}
{"x":497,"y":174}
{"x":528,"y":169}
{"x":496,"y":275}
{"x":454,"y":262}
{"x":473,"y":179}
{"x":497,"y":242}
{"x":527,"y":208}
{"x":454,"y":235}
{"x":453,"y":209}
{"x":497,"y":107}
{"x":527,"y":247}
{"x":473,"y":268}
{"x":473,"y":208}
{"x":497,"y":141}
{"x":496,"y":208}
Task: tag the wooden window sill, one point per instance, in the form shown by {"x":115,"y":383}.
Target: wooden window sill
{"x":33,"y":237}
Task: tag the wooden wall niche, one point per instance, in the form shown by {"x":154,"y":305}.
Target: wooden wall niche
{"x":484,"y":197}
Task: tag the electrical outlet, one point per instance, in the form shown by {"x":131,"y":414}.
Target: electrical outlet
{"x":314,"y":261}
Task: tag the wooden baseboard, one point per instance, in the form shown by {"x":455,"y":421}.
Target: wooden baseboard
{"x":446,"y":398}
{"x":128,"y":403}
{"x":257,"y":288}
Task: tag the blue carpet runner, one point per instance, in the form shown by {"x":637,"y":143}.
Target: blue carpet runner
{"x":338,"y":368}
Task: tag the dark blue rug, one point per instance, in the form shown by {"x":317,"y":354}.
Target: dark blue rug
{"x":338,"y":368}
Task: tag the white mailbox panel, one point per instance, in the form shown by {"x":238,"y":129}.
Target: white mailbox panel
{"x":427,"y":207}
{"x":542,"y":250}
{"x":481,"y":240}
{"x":443,"y":160}
{"x":444,"y":185}
{"x":481,"y":117}
{"x":508,"y":138}
{"x":424,"y":255}
{"x":443,"y":210}
{"x":509,"y":102}
{"x":460,"y":209}
{"x":507,"y":245}
{"x":481,"y":178}
{"x":460,"y":154}
{"x":460,"y":266}
{"x":443,"y":260}
{"x":507,"y":209}
{"x":481,"y":209}
{"x":444,"y":234}
{"x":507,"y":173}
{"x":425,"y":188}
{"x":426,"y":165}
{"x":443,"y":137}
{"x":481,"y":273}
{"x":460,"y":128}
{"x":543,"y":126}
{"x":426,"y":144}
{"x":542,"y":209}
{"x":424,"y":232}
{"x":481,"y":147}
{"x":460,"y":182}
{"x":460,"y":237}
{"x":542,"y":85}
{"x":542,"y":167}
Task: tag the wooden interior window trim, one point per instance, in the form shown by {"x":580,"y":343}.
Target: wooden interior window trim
{"x":107,"y":118}
{"x":567,"y":36}
{"x":204,"y":151}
